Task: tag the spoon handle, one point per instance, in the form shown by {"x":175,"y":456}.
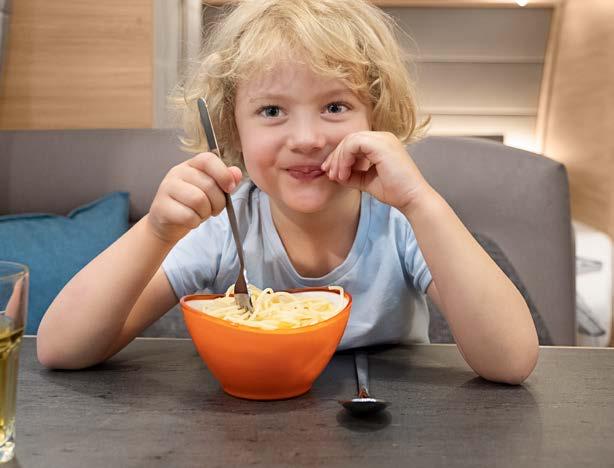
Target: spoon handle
{"x":362,"y":373}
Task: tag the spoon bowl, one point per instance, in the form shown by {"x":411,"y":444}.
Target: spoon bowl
{"x":364,"y":404}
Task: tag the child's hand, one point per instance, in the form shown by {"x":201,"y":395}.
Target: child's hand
{"x":190,"y":193}
{"x":376,"y":162}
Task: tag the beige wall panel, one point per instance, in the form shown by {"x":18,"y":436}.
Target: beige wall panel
{"x":517,"y":131}
{"x":482,"y":88}
{"x":475,"y":34}
{"x":78,"y":64}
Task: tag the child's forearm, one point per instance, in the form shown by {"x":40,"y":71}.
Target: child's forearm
{"x":487,"y":315}
{"x":87,"y":316}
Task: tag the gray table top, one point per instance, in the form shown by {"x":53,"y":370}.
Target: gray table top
{"x":155,"y":404}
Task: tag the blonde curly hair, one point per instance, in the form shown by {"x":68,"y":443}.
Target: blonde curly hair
{"x":350,"y":40}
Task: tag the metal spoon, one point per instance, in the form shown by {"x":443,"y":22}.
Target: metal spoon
{"x":241,"y":293}
{"x":363,"y":404}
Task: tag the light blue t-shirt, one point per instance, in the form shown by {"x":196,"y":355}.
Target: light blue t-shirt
{"x":384,"y":271}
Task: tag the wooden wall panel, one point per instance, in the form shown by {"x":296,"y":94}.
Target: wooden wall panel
{"x":579,"y":119}
{"x":78,"y":64}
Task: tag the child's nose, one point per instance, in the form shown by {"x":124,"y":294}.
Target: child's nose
{"x":306,"y":135}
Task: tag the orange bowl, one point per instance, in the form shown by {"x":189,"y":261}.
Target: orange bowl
{"x":265,"y":364}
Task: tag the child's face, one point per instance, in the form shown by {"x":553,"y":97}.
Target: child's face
{"x":289,"y":120}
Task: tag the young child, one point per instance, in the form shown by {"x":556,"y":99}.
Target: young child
{"x":313,"y":100}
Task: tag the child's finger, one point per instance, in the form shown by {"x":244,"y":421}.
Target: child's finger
{"x":361,"y":180}
{"x":332,"y":162}
{"x":212,"y":165}
{"x":344,"y":165}
{"x":208,"y":186}
{"x":362,"y":165}
{"x":357,"y":155}
{"x":177,"y":213}
{"x":326,"y":165}
{"x":349,"y":156}
{"x":236,"y":174}
{"x":190,"y":196}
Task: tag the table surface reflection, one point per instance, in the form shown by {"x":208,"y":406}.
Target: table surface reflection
{"x":155,"y":404}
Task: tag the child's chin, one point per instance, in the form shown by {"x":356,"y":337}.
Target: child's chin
{"x":306,"y":206}
{"x":307,"y":209}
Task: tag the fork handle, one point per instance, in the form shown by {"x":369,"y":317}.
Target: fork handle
{"x":235,"y":228}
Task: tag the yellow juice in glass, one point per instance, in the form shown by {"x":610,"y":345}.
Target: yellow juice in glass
{"x":10,"y":341}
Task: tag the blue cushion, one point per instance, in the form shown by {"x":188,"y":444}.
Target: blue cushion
{"x":55,"y":247}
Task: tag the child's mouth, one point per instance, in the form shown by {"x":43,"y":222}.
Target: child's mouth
{"x":305,"y":173}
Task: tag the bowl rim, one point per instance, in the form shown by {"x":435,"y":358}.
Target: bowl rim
{"x":280,"y":331}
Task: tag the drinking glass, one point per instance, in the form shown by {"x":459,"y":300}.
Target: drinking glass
{"x":14,"y":279}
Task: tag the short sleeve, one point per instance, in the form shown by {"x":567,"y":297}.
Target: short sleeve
{"x":193,"y":264}
{"x":415,"y":263}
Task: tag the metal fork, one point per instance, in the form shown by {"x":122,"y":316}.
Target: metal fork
{"x":241,"y":292}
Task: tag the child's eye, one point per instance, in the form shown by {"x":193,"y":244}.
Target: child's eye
{"x":269,"y":111}
{"x":336,"y":107}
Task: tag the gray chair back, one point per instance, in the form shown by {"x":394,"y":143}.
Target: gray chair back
{"x":520,"y":200}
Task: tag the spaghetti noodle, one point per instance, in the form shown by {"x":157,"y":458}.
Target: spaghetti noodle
{"x":274,"y":310}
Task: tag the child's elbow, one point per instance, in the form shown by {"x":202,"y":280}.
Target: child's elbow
{"x":519,"y":366}
{"x":520,"y":373}
{"x":54,"y":360}
{"x":52,"y":356}
{"x":47,"y":355}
